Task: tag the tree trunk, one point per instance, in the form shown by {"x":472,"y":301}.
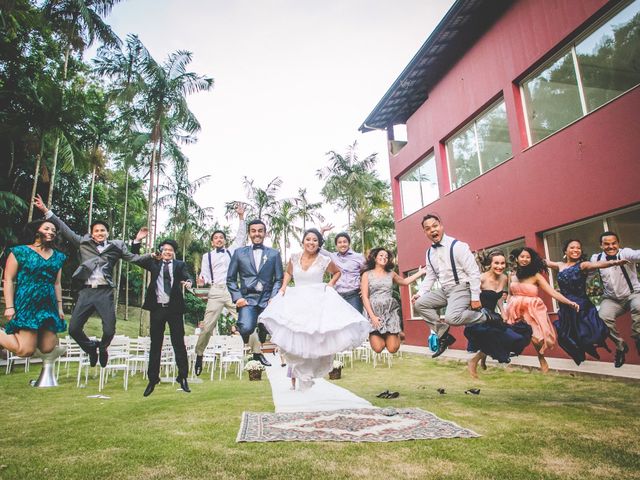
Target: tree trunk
{"x":35,"y":179}
{"x":146,"y":276}
{"x":54,"y":162}
{"x":93,"y":183}
{"x":124,"y":235}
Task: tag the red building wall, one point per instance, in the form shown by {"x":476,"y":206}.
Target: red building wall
{"x":588,"y":168}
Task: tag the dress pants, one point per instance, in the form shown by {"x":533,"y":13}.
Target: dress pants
{"x":612,"y":308}
{"x":92,"y":300}
{"x":159,"y":318}
{"x":247,"y":321}
{"x":217,"y":299}
{"x":456,"y":299}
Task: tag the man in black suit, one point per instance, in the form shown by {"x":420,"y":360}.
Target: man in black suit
{"x":165,"y":301}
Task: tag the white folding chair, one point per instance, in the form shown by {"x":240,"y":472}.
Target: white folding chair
{"x":73,"y":354}
{"x":13,"y":359}
{"x":139,"y":355}
{"x":118,"y":361}
{"x":383,"y":356}
{"x":232,"y":354}
{"x":363,"y":352}
{"x":342,"y":356}
{"x":214,"y":350}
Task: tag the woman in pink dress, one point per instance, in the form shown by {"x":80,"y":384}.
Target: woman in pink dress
{"x":525,"y":304}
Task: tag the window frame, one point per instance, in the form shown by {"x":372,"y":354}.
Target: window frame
{"x":419,"y":164}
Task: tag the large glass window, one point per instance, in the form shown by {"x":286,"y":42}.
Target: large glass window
{"x":479,"y":146}
{"x":419,"y":186}
{"x":625,"y":223}
{"x":589,"y":73}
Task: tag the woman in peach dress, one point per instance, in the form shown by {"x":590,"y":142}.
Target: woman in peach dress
{"x":525,"y":304}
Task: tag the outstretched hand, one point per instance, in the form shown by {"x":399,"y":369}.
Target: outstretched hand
{"x":326,"y":227}
{"x":240,"y":209}
{"x":142,"y":233}
{"x":39,"y":204}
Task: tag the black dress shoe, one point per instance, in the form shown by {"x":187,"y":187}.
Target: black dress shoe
{"x":103,"y":356}
{"x":150,"y":387}
{"x":472,"y":391}
{"x":620,"y":357}
{"x":443,"y":344}
{"x":441,"y":391}
{"x":93,"y":357}
{"x":393,"y":395}
{"x":260,"y":357}
{"x":383,"y":394}
{"x":197,"y":368}
{"x":183,"y":384}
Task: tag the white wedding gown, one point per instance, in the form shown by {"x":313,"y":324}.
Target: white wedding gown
{"x":311,"y":322}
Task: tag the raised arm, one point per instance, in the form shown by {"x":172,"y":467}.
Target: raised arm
{"x":410,"y":279}
{"x":544,"y":285}
{"x":602,"y":264}
{"x":66,"y":232}
{"x":552,"y":264}
{"x":241,"y":234}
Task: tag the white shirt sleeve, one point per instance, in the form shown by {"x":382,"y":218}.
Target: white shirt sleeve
{"x":205,"y":272}
{"x":631,"y":255}
{"x":241,"y":236}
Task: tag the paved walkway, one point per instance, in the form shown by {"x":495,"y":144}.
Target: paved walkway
{"x":323,"y":396}
{"x":588,"y":367}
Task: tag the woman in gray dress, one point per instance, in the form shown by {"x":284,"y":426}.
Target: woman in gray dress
{"x":383,"y":311}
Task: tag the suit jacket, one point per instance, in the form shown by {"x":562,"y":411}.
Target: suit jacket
{"x":180,"y":274}
{"x":90,"y":257}
{"x":256,"y":285}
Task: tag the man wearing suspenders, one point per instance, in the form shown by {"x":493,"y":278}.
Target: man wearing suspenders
{"x":621,"y":291}
{"x":451,"y":263}
{"x":213,"y":271}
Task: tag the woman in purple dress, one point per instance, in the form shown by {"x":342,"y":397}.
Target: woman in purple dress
{"x":579,"y":332}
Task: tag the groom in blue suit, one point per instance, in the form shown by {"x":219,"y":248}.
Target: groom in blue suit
{"x":254,"y":277}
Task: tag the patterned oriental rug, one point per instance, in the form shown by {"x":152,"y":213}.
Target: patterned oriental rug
{"x":353,"y":425}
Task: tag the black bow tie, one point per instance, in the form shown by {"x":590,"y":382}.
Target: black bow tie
{"x":220,"y":250}
{"x":612,"y":257}
{"x":258,"y":246}
{"x":437,"y":245}
{"x":98,"y":244}
{"x":167,"y":262}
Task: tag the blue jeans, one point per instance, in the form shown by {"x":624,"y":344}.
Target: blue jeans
{"x":353,"y":298}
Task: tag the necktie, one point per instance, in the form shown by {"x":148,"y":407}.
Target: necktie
{"x":166,"y":278}
{"x":624,"y":272}
{"x":258,"y":246}
{"x":220,"y":250}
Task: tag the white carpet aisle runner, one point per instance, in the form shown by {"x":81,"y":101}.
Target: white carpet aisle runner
{"x":323,"y":396}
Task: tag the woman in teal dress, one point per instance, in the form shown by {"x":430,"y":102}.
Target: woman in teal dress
{"x":33,"y":303}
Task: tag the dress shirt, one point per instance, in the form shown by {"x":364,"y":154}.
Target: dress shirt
{"x":257,"y":257}
{"x":442,"y":272}
{"x":613,"y":282}
{"x":351,"y":265}
{"x":220,"y":260}
{"x":161,"y":295}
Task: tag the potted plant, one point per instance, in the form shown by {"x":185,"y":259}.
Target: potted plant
{"x":255,"y":369}
{"x":336,"y":373}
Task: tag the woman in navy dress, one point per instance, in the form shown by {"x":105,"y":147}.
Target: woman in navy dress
{"x":583,"y":331}
{"x":496,"y":341}
{"x":33,"y":305}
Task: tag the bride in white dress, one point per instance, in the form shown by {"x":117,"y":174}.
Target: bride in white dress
{"x":310,"y":322}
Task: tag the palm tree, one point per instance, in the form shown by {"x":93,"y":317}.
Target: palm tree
{"x":79,"y":23}
{"x":347,"y":179}
{"x":165,"y":110}
{"x":283,"y":228}
{"x":261,"y":202}
{"x":306,"y":210}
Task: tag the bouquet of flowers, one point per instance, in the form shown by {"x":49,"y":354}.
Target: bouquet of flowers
{"x":253,"y":365}
{"x":337,"y":364}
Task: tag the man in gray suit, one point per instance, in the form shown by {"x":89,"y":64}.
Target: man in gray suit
{"x":98,"y":256}
{"x":254,"y":277}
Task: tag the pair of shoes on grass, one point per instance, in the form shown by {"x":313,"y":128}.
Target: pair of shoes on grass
{"x":471,"y":391}
{"x":388,"y":394}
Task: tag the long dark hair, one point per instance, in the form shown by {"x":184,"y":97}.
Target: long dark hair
{"x":565,"y":245}
{"x":536,"y":266}
{"x":30,"y":234}
{"x":371,"y":259}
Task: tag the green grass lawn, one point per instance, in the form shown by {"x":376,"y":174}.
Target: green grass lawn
{"x":532,"y":427}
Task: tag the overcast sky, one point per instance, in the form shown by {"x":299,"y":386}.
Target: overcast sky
{"x":293,"y":80}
